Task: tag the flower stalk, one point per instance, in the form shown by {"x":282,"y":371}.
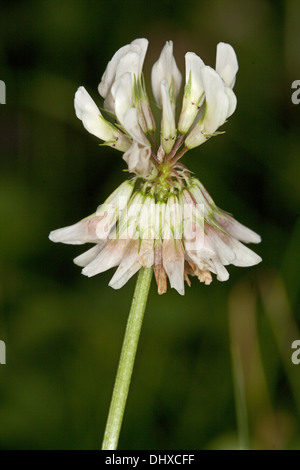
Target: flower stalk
{"x":126,"y":363}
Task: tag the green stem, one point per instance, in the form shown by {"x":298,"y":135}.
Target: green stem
{"x":124,"y":373}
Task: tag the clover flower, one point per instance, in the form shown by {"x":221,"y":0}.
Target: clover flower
{"x":162,"y":216}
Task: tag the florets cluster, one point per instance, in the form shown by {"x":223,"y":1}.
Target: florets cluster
{"x":163,"y":216}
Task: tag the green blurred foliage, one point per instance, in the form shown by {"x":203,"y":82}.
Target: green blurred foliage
{"x":63,"y":332}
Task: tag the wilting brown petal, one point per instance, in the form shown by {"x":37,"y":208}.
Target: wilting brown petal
{"x":159,"y":271}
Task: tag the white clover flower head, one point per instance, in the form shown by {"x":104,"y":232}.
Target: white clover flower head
{"x":165,"y":68}
{"x":162,"y":216}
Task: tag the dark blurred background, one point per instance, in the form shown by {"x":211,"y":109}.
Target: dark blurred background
{"x":214,"y":367}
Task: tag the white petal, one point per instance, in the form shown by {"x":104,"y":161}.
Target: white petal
{"x":128,"y":64}
{"x":217,"y":102}
{"x":146,"y":222}
{"x":232,"y":101}
{"x":128,"y":267}
{"x":146,"y":253}
{"x":174,"y":208}
{"x":168,"y":127}
{"x":122,"y":94}
{"x":216,"y":108}
{"x":137,"y":158}
{"x":120,"y":281}
{"x":207,"y":251}
{"x":88,"y":256}
{"x":173,"y":263}
{"x":77,"y":234}
{"x":138,"y":155}
{"x":160,"y":154}
{"x":118,"y":199}
{"x":193,"y":93}
{"x":127,"y":228}
{"x":195,"y":138}
{"x":193,"y":66}
{"x":202,"y":264}
{"x":112,"y":209}
{"x":237,"y":230}
{"x":165,"y":68}
{"x":109,"y":257}
{"x":130,"y":123}
{"x":109,"y":75}
{"x":226,"y":63}
{"x":109,"y":103}
{"x":221,"y":271}
{"x":244,"y":256}
{"x":225,"y":254}
{"x":142,"y":43}
{"x":88,"y":112}
{"x":159,"y":223}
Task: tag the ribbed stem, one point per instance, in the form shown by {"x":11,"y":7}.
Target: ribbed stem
{"x":126,"y":363}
